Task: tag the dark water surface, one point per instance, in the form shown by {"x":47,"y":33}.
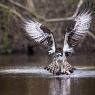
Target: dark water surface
{"x":26,"y":85}
{"x":19,"y":77}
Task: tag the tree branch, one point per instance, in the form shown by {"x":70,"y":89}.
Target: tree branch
{"x":12,"y":11}
{"x":67,"y":18}
{"x":44,"y":19}
{"x":30,"y":5}
{"x":27,"y":9}
{"x":91,"y":34}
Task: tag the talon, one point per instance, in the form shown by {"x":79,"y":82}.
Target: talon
{"x":63,"y":73}
{"x":45,"y":67}
{"x":74,"y":68}
{"x":67,"y":73}
{"x":71,"y":71}
{"x":58,"y":73}
{"x":60,"y":68}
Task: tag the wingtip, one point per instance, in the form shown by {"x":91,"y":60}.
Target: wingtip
{"x":84,"y":13}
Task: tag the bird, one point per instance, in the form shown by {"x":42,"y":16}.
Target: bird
{"x":73,"y":37}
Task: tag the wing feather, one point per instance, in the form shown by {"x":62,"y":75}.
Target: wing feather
{"x":40,"y":34}
{"x":81,"y":27}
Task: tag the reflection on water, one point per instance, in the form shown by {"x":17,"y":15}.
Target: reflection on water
{"x":21,"y":84}
{"x":73,"y":86}
{"x":60,"y":86}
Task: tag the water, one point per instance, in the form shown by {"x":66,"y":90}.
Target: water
{"x":27,"y":85}
{"x":23,"y":75}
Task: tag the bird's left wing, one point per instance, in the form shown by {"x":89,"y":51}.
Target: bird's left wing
{"x":81,"y":28}
{"x":41,"y":34}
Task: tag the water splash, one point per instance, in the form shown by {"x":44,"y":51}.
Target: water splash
{"x":80,"y":72}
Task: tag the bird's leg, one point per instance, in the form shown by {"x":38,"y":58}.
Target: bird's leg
{"x":54,"y":67}
{"x":66,"y":68}
{"x":60,"y":67}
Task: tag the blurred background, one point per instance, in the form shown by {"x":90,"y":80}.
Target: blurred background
{"x":12,"y":12}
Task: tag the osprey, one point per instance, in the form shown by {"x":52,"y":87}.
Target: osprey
{"x":44,"y":36}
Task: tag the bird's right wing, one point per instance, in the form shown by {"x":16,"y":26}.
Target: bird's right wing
{"x":40,"y":34}
{"x":81,"y":28}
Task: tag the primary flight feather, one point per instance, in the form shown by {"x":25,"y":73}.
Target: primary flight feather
{"x":78,"y":33}
{"x":40,"y":34}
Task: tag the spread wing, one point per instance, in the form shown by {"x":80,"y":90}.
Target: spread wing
{"x":74,"y":37}
{"x":40,"y":34}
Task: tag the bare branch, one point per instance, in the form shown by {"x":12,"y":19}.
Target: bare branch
{"x":19,"y":5}
{"x":12,"y":11}
{"x":77,"y":9}
{"x":30,"y":5}
{"x":44,"y":19}
{"x":91,"y":34}
{"x":28,"y":10}
{"x":67,"y":18}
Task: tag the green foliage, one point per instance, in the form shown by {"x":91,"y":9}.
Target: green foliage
{"x":6,"y":44}
{"x":4,"y":27}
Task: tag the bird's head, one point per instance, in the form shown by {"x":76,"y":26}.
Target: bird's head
{"x":58,"y":54}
